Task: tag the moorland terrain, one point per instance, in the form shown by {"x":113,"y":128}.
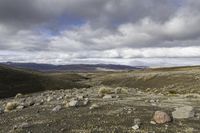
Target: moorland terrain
{"x":100,"y":101}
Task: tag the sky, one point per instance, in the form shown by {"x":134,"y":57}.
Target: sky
{"x":129,"y":32}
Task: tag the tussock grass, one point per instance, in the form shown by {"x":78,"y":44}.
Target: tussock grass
{"x":121,"y":90}
{"x":104,"y":90}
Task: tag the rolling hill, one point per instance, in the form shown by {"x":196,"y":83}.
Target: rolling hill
{"x":176,"y":80}
{"x":13,"y":81}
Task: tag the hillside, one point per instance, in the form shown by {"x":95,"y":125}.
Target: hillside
{"x":178,"y":80}
{"x":13,"y":81}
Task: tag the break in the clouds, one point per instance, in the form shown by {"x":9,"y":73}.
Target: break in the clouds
{"x":90,"y":31}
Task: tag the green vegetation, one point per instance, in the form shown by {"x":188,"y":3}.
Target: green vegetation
{"x":13,"y":81}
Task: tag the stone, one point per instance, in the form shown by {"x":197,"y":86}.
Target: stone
{"x":135,"y":127}
{"x":183,"y":112}
{"x":85,"y":102}
{"x":49,"y":99}
{"x":59,"y":98}
{"x":94,"y":106}
{"x":152,"y":122}
{"x":161,"y":117}
{"x":80,"y":97}
{"x":57,"y":108}
{"x":24,"y":125}
{"x":20,"y":107}
{"x":107,"y":97}
{"x":152,"y":101}
{"x":73,"y":103}
{"x":10,"y":106}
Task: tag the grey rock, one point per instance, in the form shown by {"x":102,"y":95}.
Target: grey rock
{"x":80,"y":97}
{"x":135,"y":127}
{"x":20,"y":107}
{"x":183,"y":112}
{"x":57,"y":108}
{"x":85,"y":102}
{"x":24,"y":125}
{"x":107,"y":97}
{"x":73,"y":103}
{"x":152,"y":122}
{"x":94,"y":106}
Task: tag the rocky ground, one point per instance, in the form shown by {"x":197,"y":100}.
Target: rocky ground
{"x":100,"y":110}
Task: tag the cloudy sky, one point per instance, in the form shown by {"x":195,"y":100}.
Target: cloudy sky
{"x":133,"y":32}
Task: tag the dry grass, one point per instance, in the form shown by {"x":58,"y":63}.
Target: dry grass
{"x":104,"y":90}
{"x":121,"y":90}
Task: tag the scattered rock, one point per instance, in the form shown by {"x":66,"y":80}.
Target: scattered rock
{"x":154,"y":101}
{"x":152,"y":122}
{"x":21,"y":126}
{"x":107,"y":97}
{"x":49,"y":99}
{"x":11,"y":106}
{"x":94,"y":106}
{"x":80,"y":97}
{"x":85,"y":101}
{"x":24,"y":125}
{"x":59,"y":98}
{"x":161,"y":117}
{"x":57,"y":108}
{"x":20,"y":107}
{"x":135,"y":127}
{"x":128,"y":110}
{"x":183,"y":112}
{"x":73,"y":103}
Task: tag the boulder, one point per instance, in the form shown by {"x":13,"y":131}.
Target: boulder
{"x":161,"y":117}
{"x":11,"y":106}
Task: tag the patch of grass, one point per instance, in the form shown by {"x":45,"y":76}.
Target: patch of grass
{"x":104,"y":90}
{"x":121,"y":90}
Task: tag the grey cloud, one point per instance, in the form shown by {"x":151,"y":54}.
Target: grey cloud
{"x":112,"y":29}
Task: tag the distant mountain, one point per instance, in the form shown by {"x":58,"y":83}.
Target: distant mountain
{"x":72,"y":67}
